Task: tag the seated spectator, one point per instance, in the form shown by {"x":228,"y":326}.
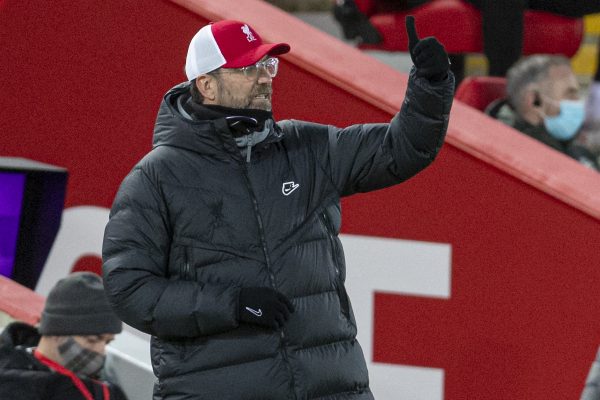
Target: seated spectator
{"x":63,"y":358}
{"x":591,"y":390}
{"x":590,"y":134}
{"x":544,"y":102}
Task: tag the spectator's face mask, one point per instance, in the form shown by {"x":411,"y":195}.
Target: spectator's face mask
{"x":566,"y":124}
{"x":79,"y":359}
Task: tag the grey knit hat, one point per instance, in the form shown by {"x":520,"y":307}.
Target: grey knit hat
{"x":77,"y":305}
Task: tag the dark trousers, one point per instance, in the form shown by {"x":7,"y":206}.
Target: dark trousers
{"x":503,"y":25}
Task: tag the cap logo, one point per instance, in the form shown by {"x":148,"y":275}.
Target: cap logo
{"x":249,"y":36}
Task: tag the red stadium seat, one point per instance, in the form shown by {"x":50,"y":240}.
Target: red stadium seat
{"x":480,"y":91}
{"x":457,"y":24}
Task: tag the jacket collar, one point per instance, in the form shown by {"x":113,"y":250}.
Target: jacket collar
{"x":178,"y":126}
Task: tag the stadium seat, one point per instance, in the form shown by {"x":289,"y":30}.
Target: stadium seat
{"x":480,"y":91}
{"x":457,"y":24}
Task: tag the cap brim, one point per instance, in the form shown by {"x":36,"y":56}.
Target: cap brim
{"x":252,"y":57}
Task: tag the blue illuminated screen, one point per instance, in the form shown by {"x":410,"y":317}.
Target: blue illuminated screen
{"x":12,"y":187}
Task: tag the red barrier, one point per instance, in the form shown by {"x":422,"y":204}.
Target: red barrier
{"x":20,"y":302}
{"x":81,"y":83}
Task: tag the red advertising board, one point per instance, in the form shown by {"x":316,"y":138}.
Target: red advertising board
{"x":514,"y":225}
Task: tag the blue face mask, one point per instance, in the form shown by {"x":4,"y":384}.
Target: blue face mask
{"x":565,"y":125}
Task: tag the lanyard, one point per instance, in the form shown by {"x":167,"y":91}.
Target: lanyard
{"x":76,"y":381}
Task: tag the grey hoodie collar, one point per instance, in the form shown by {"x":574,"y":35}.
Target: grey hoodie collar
{"x":245,"y":143}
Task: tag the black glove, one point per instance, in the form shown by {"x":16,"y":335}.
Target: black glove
{"x":428,"y":55}
{"x":264,"y":306}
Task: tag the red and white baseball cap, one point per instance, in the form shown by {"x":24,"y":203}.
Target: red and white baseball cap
{"x":227,"y":44}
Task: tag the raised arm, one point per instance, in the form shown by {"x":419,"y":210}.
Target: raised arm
{"x":367,"y":157}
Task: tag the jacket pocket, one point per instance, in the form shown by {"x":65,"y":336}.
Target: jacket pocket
{"x":336,"y":280}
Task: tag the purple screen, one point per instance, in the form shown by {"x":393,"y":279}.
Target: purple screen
{"x":12,"y":186}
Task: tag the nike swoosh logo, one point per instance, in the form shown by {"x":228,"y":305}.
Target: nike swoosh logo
{"x":289,"y":187}
{"x":258,"y":312}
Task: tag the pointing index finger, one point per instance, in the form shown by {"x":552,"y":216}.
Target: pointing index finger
{"x":413,"y":38}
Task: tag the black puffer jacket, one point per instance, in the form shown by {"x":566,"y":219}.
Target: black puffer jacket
{"x":193,"y":223}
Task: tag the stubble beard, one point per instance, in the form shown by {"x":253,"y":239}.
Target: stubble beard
{"x":231,"y":98}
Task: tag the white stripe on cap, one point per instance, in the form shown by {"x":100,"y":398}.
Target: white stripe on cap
{"x":203,"y":54}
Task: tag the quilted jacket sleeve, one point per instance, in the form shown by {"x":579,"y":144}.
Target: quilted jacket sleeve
{"x":135,"y":255}
{"x":367,"y":157}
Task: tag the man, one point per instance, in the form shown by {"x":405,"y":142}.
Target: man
{"x":543,"y":102}
{"x":62,"y":359}
{"x":223,"y":241}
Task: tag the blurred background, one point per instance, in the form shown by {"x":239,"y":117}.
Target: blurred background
{"x":477,"y":278}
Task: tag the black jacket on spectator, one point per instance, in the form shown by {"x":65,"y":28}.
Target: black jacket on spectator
{"x":505,"y":113}
{"x":23,"y":377}
{"x":194,"y":222}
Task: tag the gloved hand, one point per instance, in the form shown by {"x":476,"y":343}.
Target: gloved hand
{"x":264,"y":306}
{"x":428,"y":55}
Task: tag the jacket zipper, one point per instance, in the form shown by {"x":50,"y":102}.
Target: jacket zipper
{"x":263,"y":242}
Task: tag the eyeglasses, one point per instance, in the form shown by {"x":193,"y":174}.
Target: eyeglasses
{"x":271,"y":65}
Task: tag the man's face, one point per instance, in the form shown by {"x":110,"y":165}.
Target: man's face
{"x":561,"y":84}
{"x":238,"y":90}
{"x":95,"y":343}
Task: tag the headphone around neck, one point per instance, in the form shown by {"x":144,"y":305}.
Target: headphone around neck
{"x":537,"y":99}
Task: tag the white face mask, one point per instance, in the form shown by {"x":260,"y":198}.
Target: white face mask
{"x":566,"y":124}
{"x":80,"y":360}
